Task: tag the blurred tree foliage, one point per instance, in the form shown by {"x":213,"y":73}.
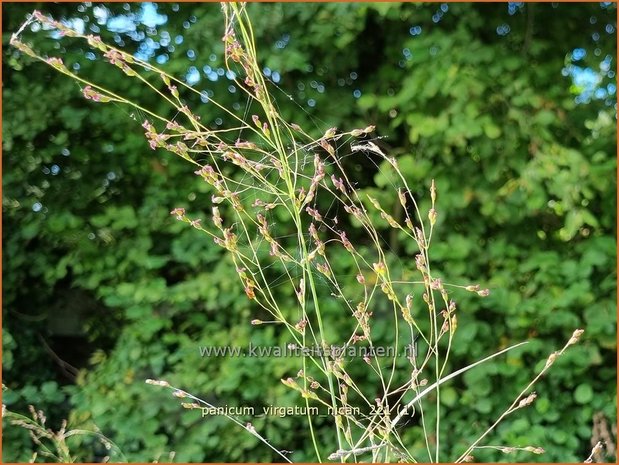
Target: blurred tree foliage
{"x":491,"y":101}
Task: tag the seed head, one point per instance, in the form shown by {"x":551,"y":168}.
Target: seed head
{"x":338,"y":183}
{"x":379,"y":268}
{"x":551,"y":359}
{"x":179,"y":212}
{"x":432,"y":216}
{"x":575,"y":337}
{"x":535,"y":450}
{"x":290,"y":383}
{"x":527,"y":400}
{"x":402,"y":197}
{"x":249,"y":291}
{"x":313,"y":213}
{"x":347,"y":244}
{"x":157,"y":382}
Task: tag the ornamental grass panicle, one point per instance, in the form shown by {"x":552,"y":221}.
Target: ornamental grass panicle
{"x":216,"y":218}
{"x":432,"y":216}
{"x":233,"y":49}
{"x":313,"y":213}
{"x":300,"y":291}
{"x":173,"y":90}
{"x":249,"y":288}
{"x":527,"y":400}
{"x":436,"y":284}
{"x":402,"y":197}
{"x":338,"y":183}
{"x":46,"y":20}
{"x":157,"y":382}
{"x":91,"y":94}
{"x":324,"y":269}
{"x":96,"y":42}
{"x":345,"y":242}
{"x":274,"y":249}
{"x":313,"y":232}
{"x":273,"y":169}
{"x":420,"y":263}
{"x":387,"y":217}
{"x":239,"y":144}
{"x":57,"y":63}
{"x":420,"y":238}
{"x":208,"y":173}
{"x":179,"y":212}
{"x":575,"y":337}
{"x":327,"y":147}
{"x":230,"y":240}
{"x":115,"y":57}
{"x":190,"y":405}
{"x":174,"y":126}
{"x":595,"y":453}
{"x":300,"y":326}
{"x":22,"y":47}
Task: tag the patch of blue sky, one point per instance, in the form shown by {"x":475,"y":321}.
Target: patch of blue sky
{"x":193,"y":76}
{"x":121,"y":23}
{"x":149,"y":16}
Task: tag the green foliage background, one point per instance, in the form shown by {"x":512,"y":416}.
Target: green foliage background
{"x":526,"y":198}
